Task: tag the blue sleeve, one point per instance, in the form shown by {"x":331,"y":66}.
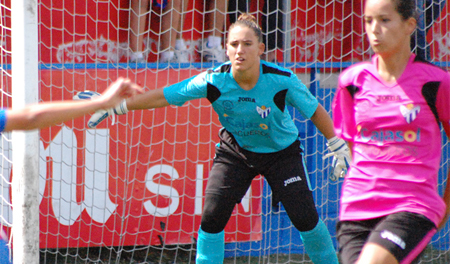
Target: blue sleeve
{"x":301,"y":98}
{"x":2,"y":119}
{"x":189,"y":89}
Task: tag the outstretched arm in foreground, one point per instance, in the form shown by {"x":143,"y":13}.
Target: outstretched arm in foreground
{"x":51,"y":113}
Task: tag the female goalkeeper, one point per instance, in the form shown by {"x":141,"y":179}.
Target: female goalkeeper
{"x":390,"y":110}
{"x":258,"y":136}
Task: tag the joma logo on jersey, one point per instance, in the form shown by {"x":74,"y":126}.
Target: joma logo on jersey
{"x":291,"y":180}
{"x":387,"y":98}
{"x":393,"y":238}
{"x":263,"y":111}
{"x":247,"y":99}
{"x":409,"y":112}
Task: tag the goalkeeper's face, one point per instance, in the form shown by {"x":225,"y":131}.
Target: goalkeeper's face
{"x":244,"y":48}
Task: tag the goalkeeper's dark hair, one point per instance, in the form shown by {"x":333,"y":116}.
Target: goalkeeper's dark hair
{"x":406,"y":9}
{"x":248,"y":20}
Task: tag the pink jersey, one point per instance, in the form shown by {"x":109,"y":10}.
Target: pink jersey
{"x":397,"y":139}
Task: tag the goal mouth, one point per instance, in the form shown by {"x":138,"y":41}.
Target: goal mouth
{"x":134,"y":190}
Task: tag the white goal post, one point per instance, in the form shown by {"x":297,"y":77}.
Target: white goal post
{"x":25,"y":184}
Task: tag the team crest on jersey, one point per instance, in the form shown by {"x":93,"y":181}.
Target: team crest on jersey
{"x":227,"y":105}
{"x":409,"y":112}
{"x":263,"y":111}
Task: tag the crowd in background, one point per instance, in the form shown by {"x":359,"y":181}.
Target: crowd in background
{"x":172,"y":47}
{"x":217,"y":14}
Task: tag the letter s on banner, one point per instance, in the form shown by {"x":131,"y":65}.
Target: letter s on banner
{"x":161,"y":189}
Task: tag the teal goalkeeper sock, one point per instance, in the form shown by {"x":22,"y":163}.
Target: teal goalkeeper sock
{"x":210,"y":247}
{"x":318,"y":245}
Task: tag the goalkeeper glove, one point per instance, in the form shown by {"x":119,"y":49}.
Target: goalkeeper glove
{"x":101,"y":115}
{"x":341,"y":158}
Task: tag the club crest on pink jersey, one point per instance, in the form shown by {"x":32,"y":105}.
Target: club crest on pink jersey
{"x":409,"y":112}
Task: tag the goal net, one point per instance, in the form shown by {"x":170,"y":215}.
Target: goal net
{"x":132,"y":190}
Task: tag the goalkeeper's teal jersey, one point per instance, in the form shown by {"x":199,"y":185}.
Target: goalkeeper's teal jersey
{"x":258,"y":118}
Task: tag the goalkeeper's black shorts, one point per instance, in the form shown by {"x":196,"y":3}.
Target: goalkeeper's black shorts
{"x":234,"y":168}
{"x":404,"y":234}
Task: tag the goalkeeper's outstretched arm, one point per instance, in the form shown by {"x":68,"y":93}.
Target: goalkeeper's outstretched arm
{"x":148,"y":100}
{"x":51,"y":113}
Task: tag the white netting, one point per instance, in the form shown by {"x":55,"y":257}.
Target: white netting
{"x":6,"y":218}
{"x":132,"y":192}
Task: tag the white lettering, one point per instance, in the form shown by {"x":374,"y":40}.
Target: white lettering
{"x":163,"y":190}
{"x":96,"y":176}
{"x":102,"y":49}
{"x":291,"y":180}
{"x":61,"y":157}
{"x":64,"y":179}
{"x":63,"y":153}
{"x":393,"y":238}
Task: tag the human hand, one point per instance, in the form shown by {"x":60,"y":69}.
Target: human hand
{"x":118,"y":91}
{"x":112,"y":100}
{"x":341,"y":158}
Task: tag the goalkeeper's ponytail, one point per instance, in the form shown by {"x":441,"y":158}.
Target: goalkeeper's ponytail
{"x":249,"y":21}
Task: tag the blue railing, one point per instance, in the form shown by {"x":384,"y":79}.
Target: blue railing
{"x":194,"y":65}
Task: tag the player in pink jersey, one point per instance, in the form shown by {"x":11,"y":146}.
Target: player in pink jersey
{"x":390,"y":110}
